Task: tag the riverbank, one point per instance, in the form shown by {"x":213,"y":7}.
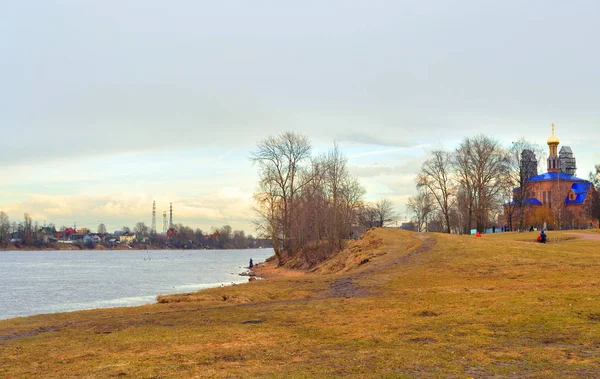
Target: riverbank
{"x":410,"y":305}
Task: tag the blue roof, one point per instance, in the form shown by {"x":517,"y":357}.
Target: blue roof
{"x":581,"y":190}
{"x":555,"y":176}
{"x":530,"y":201}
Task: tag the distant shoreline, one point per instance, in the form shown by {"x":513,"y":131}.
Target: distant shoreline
{"x":70,"y":247}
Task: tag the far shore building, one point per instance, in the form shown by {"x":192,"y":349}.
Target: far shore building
{"x":556,"y":199}
{"x":127,"y":237}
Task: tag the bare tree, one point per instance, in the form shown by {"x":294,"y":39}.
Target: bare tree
{"x":27,"y":228}
{"x":463,"y":165}
{"x":280,"y":161}
{"x":4,"y":228}
{"x":367,"y":216}
{"x":239,"y":239}
{"x":307,"y":206}
{"x":342,"y":194}
{"x":436,"y":177}
{"x":141,"y":229}
{"x":421,"y":207}
{"x":225,"y":237}
{"x":384,"y":209}
{"x":101,"y":229}
{"x":481,"y":166}
{"x":595,"y":177}
{"x":268,"y":223}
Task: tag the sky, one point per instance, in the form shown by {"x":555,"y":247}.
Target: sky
{"x":107,"y":106}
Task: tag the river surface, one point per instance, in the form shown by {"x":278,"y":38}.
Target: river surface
{"x":35,"y":282}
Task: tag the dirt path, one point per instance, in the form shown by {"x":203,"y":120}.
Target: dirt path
{"x":347,"y":287}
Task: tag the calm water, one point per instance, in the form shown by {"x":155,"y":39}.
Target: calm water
{"x":34,"y":282}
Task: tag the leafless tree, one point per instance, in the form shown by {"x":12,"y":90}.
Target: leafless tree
{"x":367,"y":216}
{"x":436,"y":178}
{"x":101,"y":229}
{"x":27,"y":228}
{"x":141,"y":229}
{"x":595,"y":177}
{"x":384,"y":209}
{"x":463,"y":165}
{"x":481,"y":166}
{"x":305,"y":205}
{"x":4,"y":228}
{"x":239,"y":239}
{"x":421,"y":206}
{"x":281,"y":162}
{"x":344,"y":193}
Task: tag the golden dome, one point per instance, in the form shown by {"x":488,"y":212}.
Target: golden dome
{"x":553,"y":140}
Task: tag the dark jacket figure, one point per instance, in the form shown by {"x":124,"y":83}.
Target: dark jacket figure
{"x":543,"y":237}
{"x":251,"y":264}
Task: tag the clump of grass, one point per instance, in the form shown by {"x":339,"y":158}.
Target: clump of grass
{"x":427,"y":313}
{"x":594,"y":316}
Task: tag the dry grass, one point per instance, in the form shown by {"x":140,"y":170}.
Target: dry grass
{"x":495,"y":306}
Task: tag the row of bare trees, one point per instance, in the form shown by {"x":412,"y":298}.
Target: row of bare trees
{"x":26,"y":232}
{"x":30,"y":233}
{"x":309,"y":205}
{"x":183,"y":236}
{"x":465,"y":188}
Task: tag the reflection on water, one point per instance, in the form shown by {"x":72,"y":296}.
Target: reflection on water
{"x":34,"y":282}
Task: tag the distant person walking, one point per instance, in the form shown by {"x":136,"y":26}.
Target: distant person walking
{"x":251,"y":263}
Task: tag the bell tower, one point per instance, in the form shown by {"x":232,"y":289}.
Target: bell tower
{"x":553,"y":160}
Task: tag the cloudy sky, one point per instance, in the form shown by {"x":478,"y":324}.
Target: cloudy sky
{"x":106,"y":106}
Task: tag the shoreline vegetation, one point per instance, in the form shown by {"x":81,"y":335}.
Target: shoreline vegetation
{"x":29,"y":235}
{"x":99,"y":247}
{"x":393,"y":303}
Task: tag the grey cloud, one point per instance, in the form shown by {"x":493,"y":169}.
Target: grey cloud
{"x":374,"y":139}
{"x":88,"y":78}
{"x":406,"y":166}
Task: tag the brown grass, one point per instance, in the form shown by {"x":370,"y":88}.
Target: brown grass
{"x":496,"y":306}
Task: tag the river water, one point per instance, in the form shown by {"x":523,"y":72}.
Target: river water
{"x":36,"y":282}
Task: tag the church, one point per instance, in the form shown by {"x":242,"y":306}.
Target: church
{"x":556,"y":199}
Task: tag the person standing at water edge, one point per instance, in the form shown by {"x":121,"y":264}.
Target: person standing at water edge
{"x":251,"y":264}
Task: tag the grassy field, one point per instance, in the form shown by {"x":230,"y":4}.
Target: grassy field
{"x":395,"y":304}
